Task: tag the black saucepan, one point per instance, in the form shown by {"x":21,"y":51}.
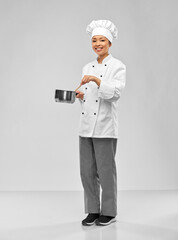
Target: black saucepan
{"x":65,"y":96}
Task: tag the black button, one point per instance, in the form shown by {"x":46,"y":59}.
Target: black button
{"x":86,"y":88}
{"x":100,"y":75}
{"x":96,"y":100}
{"x":94,"y":113}
{"x":84,"y":100}
{"x":93,"y":65}
{"x":98,"y":87}
{"x":105,"y":65}
{"x":83,"y":113}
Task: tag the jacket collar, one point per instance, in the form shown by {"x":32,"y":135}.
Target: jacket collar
{"x":105,"y":60}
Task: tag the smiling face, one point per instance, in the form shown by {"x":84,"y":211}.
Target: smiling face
{"x":100,"y":45}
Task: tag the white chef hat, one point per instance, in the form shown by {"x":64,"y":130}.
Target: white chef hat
{"x":102,"y":27}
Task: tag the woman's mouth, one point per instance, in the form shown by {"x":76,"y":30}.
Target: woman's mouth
{"x":98,"y":49}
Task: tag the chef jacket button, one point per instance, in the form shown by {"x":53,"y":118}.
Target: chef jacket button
{"x":94,"y":113}
{"x":105,"y":65}
{"x":83,"y":113}
{"x":100,"y":75}
{"x":93,"y":65}
{"x":84,"y":100}
{"x":96,"y":100}
{"x":86,"y":88}
{"x":98,"y":87}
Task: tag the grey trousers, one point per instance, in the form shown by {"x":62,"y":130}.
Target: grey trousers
{"x":98,"y":169}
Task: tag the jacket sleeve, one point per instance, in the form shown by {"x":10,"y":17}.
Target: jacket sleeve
{"x":111,"y":91}
{"x":82,"y":87}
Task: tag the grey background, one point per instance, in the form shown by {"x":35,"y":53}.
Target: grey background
{"x":44,"y":47}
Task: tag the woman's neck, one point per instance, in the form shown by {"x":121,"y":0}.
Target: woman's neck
{"x":100,"y":58}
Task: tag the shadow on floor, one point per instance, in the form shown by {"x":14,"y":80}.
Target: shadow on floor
{"x":74,"y":230}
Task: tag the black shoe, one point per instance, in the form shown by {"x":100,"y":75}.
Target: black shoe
{"x":90,"y":219}
{"x":105,"y":220}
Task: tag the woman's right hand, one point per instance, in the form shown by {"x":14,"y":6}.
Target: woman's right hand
{"x":79,"y":95}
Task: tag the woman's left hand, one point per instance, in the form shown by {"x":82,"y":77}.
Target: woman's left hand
{"x":89,"y":78}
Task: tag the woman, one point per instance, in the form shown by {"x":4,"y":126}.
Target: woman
{"x":102,"y":82}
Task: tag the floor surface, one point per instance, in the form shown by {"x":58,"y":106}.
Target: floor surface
{"x":142,"y":215}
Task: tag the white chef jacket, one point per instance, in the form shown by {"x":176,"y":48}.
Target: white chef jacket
{"x":99,"y":115}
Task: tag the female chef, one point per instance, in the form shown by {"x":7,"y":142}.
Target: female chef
{"x":102,"y":83}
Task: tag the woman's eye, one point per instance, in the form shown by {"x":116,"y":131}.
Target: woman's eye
{"x":101,"y":40}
